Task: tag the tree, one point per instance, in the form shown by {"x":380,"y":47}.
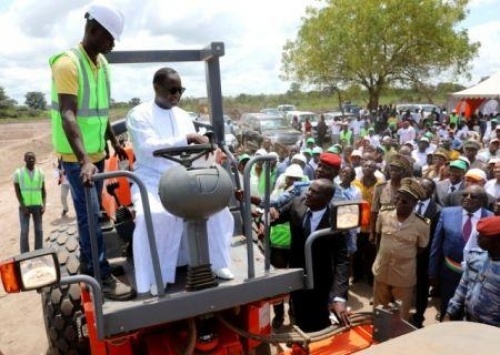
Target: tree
{"x":134,"y":101}
{"x":35,"y":100}
{"x":376,"y":43}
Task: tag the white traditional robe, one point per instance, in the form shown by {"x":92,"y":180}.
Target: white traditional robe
{"x":151,"y":128}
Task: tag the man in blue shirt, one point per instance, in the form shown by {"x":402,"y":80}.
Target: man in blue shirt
{"x":478,"y":294}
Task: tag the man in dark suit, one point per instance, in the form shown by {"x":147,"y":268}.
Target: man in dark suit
{"x":306,"y":214}
{"x":471,"y":177}
{"x":455,"y":230}
{"x":428,"y":209}
{"x":453,"y":184}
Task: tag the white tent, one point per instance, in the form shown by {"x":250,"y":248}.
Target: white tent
{"x":487,"y":89}
{"x":469,"y":100}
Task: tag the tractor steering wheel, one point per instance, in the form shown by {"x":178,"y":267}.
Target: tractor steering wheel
{"x":187,"y":154}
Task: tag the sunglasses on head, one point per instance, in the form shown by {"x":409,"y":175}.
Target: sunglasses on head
{"x":174,"y":91}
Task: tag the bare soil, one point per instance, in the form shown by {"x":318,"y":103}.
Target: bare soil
{"x":22,"y":329}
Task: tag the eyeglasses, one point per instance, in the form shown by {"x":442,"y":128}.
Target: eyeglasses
{"x":174,"y":91}
{"x":473,"y":196}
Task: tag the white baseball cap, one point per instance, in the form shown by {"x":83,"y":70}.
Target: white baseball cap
{"x":295,"y":171}
{"x":108,"y":17}
{"x":300,"y":157}
{"x":356,"y":153}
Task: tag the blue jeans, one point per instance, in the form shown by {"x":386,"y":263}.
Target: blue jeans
{"x":24,"y":218}
{"x":73,"y":171}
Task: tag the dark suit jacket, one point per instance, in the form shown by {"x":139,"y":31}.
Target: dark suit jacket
{"x":330,"y":263}
{"x":442,"y":188}
{"x":330,"y":257}
{"x":432,"y":212}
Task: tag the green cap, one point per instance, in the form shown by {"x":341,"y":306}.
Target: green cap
{"x":459,"y":164}
{"x":336,"y":149}
{"x":310,"y":140}
{"x":243,"y":157}
{"x":308,"y":151}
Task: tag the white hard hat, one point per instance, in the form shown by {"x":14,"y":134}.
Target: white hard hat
{"x":300,"y":157}
{"x":108,"y":17}
{"x":294,"y":171}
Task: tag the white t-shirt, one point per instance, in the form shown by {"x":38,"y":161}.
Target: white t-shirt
{"x":335,"y":128}
{"x":406,"y":135}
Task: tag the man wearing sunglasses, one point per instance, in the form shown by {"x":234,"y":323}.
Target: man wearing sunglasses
{"x":160,"y":124}
{"x":455,"y":235}
{"x":402,"y":233}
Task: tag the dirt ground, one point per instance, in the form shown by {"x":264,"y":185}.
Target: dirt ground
{"x":21,"y":323}
{"x":22,"y":329}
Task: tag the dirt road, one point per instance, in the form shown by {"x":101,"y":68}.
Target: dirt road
{"x":21,"y":324}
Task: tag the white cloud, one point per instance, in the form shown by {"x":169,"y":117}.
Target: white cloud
{"x":487,"y":63}
{"x":253,"y":32}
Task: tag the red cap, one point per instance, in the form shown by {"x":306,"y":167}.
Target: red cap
{"x":489,"y":226}
{"x":330,"y":159}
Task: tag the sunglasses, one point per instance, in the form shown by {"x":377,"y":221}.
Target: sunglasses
{"x":471,"y":195}
{"x":174,"y":91}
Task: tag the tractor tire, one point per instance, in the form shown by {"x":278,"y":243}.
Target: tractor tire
{"x":62,"y":309}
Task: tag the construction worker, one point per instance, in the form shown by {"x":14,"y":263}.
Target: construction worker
{"x":81,"y":128}
{"x":29,"y":184}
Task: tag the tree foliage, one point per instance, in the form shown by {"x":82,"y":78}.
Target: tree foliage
{"x":378,"y":43}
{"x":35,"y":100}
{"x":134,"y":101}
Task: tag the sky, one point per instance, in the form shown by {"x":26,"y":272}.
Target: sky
{"x":254,"y":33}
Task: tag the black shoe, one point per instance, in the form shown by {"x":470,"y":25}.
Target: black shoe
{"x":416,"y":322}
{"x":114,"y":289}
{"x":277,"y":322}
{"x":117,"y":270}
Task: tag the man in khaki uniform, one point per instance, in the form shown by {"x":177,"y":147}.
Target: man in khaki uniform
{"x":402,"y":233}
{"x":385,"y":193}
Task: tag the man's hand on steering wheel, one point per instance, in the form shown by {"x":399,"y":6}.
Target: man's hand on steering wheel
{"x":196,"y":138}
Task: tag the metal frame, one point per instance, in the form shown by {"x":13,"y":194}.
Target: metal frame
{"x":210,"y":55}
{"x":115,"y":317}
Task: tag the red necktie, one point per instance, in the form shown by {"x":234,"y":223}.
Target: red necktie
{"x":467,"y":228}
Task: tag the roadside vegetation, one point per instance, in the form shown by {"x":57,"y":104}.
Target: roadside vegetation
{"x":234,"y":106}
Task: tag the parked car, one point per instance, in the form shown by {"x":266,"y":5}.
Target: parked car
{"x":286,"y":107}
{"x":275,"y":127}
{"x":426,"y":109}
{"x":273,"y":111}
{"x":351,"y":108}
{"x":338,"y":116}
{"x":302,"y":116}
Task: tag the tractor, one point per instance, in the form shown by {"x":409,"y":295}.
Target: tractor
{"x":198,"y":314}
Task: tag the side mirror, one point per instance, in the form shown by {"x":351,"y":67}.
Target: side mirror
{"x":347,"y":215}
{"x":30,"y":271}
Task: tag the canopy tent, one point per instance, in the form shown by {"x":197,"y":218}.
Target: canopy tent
{"x":470,"y":99}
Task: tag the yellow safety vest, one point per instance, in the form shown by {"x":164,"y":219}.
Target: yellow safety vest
{"x":93,"y":105}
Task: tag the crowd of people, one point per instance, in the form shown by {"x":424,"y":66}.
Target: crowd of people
{"x":433,"y":184}
{"x":429,"y":180}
